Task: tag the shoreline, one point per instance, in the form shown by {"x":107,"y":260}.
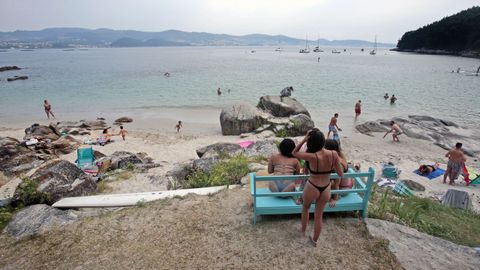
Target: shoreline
{"x":467,"y":54}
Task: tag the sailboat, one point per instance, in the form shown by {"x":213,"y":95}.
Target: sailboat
{"x":279,"y":49}
{"x":306,"y":50}
{"x":374,"y":51}
{"x":317,"y":48}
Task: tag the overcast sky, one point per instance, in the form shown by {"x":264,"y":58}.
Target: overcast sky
{"x":331,"y":19}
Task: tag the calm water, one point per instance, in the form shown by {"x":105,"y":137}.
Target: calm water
{"x":124,"y":79}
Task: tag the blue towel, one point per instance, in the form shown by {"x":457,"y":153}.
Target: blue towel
{"x":433,"y":174}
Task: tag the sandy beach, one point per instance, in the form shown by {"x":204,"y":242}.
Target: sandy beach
{"x":155,"y":135}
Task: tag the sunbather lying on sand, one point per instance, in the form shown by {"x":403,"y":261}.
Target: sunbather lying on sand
{"x":427,"y":169}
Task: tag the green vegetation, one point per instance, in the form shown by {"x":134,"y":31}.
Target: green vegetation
{"x":130,"y":167}
{"x":457,"y":33}
{"x":282,"y":133}
{"x":5,"y":216}
{"x":28,"y":194}
{"x":103,"y":187}
{"x":226,"y":172}
{"x":455,"y":225}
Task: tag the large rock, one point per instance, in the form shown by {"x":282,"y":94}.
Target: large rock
{"x":122,"y":159}
{"x":301,"y":124}
{"x":416,"y":250}
{"x":441,"y":132}
{"x":282,"y":107}
{"x":262,"y":148}
{"x":180,"y":171}
{"x":204,"y":164}
{"x":16,"y":159}
{"x":64,"y":145}
{"x":38,"y":218}
{"x":60,"y":178}
{"x":369,"y":127}
{"x":122,"y":120}
{"x":83,"y":124}
{"x":47,"y":132}
{"x":219,"y":148}
{"x":241,"y":118}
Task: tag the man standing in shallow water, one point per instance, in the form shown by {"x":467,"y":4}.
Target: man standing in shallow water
{"x":456,"y":162}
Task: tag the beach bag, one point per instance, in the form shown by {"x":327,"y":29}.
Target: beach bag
{"x":390,"y":171}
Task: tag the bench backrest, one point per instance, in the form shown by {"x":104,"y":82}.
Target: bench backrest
{"x":359,"y":185}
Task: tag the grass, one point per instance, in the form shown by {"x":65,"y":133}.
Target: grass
{"x":27,"y":193}
{"x":103,"y":187}
{"x":455,"y":225}
{"x":5,"y":216}
{"x":228,"y":171}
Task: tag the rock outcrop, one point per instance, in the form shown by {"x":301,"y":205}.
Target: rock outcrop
{"x":82,"y":125}
{"x":218,"y":148}
{"x":241,"y":118}
{"x":441,"y":132}
{"x":16,"y":78}
{"x":38,"y":218}
{"x":47,"y":132}
{"x":122,"y":120}
{"x":282,"y":107}
{"x":16,"y":158}
{"x":416,"y":250}
{"x":60,"y":178}
{"x":282,"y":116}
{"x":128,"y":160}
{"x":8,"y":68}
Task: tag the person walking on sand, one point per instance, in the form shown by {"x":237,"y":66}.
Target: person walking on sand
{"x":393,"y":99}
{"x":219,"y":92}
{"x":178,"y":126}
{"x":358,"y":109}
{"x":48,"y":109}
{"x":320,"y":164}
{"x":456,"y":162}
{"x":395,"y":130}
{"x":333,"y":127}
{"x":123,"y":132}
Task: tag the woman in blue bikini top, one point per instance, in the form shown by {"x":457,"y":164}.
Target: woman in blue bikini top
{"x":320,"y":163}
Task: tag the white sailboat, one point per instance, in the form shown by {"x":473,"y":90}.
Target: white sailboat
{"x":317,"y":48}
{"x":374,"y":51}
{"x":306,"y":50}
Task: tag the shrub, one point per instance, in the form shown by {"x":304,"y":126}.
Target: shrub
{"x":27,"y":193}
{"x":5,"y":216}
{"x":226,"y":172}
{"x":282,"y":133}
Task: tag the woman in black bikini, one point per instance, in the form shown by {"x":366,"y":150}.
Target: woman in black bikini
{"x":320,"y":164}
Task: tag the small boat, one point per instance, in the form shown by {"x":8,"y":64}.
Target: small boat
{"x":253,"y":51}
{"x":317,"y":48}
{"x":362,"y":50}
{"x":279,"y":49}
{"x":335,"y":51}
{"x":306,"y":50}
{"x":374,"y":51}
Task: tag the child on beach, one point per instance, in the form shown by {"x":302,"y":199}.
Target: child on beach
{"x":123,"y":132}
{"x":178,"y":126}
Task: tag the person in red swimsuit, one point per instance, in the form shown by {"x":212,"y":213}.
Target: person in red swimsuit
{"x":358,"y":109}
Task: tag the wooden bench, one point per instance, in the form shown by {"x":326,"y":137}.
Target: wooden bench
{"x":266,"y":202}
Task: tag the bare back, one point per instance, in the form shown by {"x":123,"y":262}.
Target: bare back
{"x":456,"y":155}
{"x":323,"y":161}
{"x":281,"y":165}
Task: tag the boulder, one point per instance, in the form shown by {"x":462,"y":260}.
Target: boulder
{"x":60,"y":178}
{"x":262,"y":148}
{"x":82,"y":125}
{"x":301,"y":124}
{"x":122,"y":159}
{"x":122,"y":120}
{"x":204,"y":164}
{"x":64,"y":145}
{"x":241,"y":118}
{"x":16,"y":159}
{"x":255,"y":167}
{"x":282,"y":107}
{"x":46,"y":132}
{"x":180,"y":171}
{"x":7,"y":191}
{"x":218,"y":148}
{"x":38,"y":218}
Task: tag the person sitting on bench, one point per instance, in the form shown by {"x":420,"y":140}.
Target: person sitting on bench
{"x":283,"y":163}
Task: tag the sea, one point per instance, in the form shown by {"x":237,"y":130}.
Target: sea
{"x":96,"y":81}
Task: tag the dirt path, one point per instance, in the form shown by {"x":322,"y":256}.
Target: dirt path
{"x":197,"y":232}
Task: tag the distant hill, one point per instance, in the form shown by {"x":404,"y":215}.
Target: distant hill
{"x":458,"y":34}
{"x":74,"y":37}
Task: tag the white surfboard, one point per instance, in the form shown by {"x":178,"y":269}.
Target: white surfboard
{"x":130,"y":199}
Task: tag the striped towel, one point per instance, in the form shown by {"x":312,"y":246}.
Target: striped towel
{"x":403,"y":190}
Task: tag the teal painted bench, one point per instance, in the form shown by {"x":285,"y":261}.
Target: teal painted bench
{"x":266,"y":202}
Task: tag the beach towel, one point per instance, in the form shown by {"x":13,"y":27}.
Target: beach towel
{"x":433,"y":174}
{"x":245,"y":144}
{"x":471,"y":176}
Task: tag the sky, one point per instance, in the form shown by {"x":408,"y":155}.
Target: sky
{"x":330,"y":19}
